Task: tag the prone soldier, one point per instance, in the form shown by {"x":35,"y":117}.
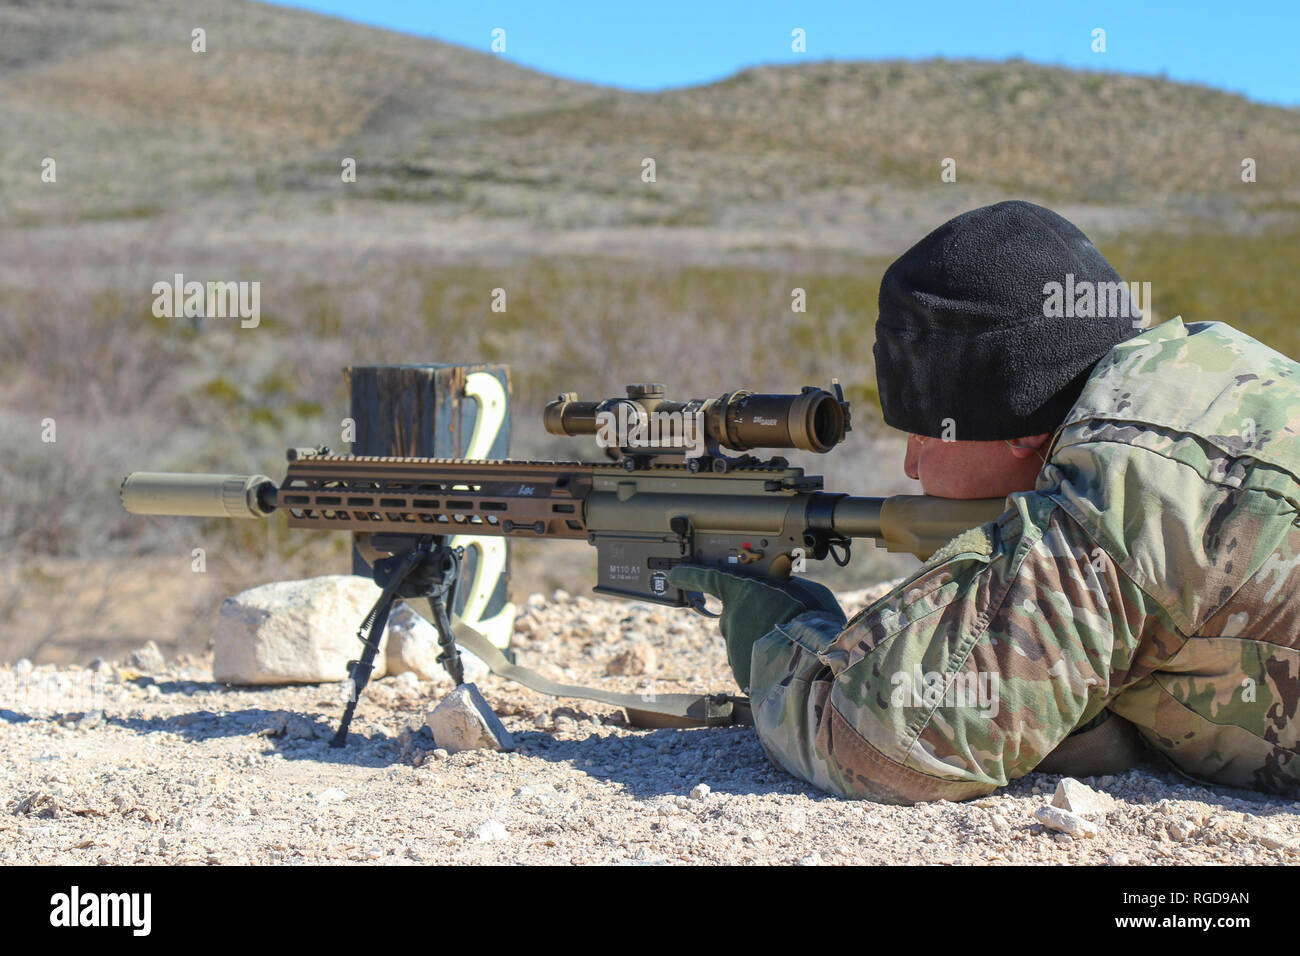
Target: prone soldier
{"x":1139,"y":582}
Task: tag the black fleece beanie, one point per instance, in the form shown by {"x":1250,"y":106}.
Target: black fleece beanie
{"x":967,"y":332}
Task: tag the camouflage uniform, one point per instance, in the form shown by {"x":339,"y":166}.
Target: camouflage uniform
{"x":1152,"y":571}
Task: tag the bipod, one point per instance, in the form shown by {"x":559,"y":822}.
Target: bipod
{"x":418,"y":566}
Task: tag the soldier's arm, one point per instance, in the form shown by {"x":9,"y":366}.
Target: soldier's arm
{"x":962,"y":679}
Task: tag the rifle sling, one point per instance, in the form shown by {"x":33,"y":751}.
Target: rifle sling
{"x":660,"y":710}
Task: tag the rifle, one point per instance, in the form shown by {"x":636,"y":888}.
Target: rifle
{"x":668,"y":493}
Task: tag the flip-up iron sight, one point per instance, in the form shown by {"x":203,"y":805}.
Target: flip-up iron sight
{"x":646,"y":428}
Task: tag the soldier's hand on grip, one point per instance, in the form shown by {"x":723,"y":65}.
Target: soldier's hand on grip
{"x":752,"y":606}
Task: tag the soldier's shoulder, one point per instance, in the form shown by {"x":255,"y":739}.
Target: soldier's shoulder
{"x":1206,"y":380}
{"x":1178,"y":348}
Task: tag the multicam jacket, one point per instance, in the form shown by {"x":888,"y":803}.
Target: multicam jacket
{"x":1153,"y":570}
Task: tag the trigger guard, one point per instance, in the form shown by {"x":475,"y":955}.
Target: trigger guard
{"x":696,"y":600}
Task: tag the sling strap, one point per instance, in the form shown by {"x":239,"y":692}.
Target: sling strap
{"x":643,"y":710}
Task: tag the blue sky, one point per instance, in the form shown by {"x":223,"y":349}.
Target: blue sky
{"x":1245,"y":47}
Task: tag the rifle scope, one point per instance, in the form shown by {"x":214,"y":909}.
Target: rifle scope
{"x":813,"y":420}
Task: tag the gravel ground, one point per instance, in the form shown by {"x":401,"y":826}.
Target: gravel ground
{"x":147,"y":762}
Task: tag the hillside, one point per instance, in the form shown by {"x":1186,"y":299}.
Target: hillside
{"x":142,"y":122}
{"x":142,"y":125}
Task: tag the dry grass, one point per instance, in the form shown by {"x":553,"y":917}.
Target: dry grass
{"x":1248,"y":281}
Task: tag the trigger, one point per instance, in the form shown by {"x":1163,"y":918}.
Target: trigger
{"x":696,"y":600}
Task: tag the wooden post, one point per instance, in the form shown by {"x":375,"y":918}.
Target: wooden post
{"x":443,"y":411}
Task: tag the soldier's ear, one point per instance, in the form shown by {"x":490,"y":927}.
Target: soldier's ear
{"x":1024,"y":447}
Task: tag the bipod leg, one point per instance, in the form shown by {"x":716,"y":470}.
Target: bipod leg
{"x":450,"y":657}
{"x":371,"y":633}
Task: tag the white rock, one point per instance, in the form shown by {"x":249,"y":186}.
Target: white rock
{"x":537,"y":792}
{"x":1081,"y":799}
{"x":1119,"y":859}
{"x":147,"y":659}
{"x":294,"y":631}
{"x":331,"y":795}
{"x":297,"y":727}
{"x":1180,"y":831}
{"x":412,"y":644}
{"x":700,"y":791}
{"x":489,"y":831}
{"x":23,"y":667}
{"x":464,"y":721}
{"x":1272,"y":842}
{"x":1063,"y":821}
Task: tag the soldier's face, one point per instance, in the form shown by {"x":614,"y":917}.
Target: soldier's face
{"x":974,"y":469}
